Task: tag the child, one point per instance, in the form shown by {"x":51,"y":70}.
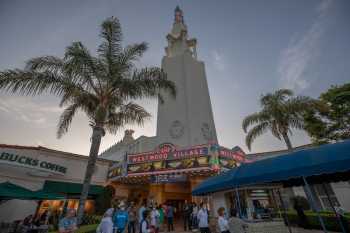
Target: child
{"x":222,"y":222}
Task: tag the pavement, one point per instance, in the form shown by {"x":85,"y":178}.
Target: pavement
{"x":294,"y":230}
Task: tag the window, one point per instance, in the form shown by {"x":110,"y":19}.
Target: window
{"x":321,"y":191}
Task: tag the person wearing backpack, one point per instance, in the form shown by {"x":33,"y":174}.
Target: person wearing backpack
{"x":144,"y":226}
{"x":121,"y":219}
{"x":132,"y":218}
{"x":106,"y":225}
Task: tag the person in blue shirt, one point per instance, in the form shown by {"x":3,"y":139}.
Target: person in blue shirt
{"x":121,"y":219}
{"x":141,"y":210}
{"x":68,"y":224}
{"x":170,"y":217}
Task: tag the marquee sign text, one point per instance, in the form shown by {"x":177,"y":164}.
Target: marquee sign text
{"x":168,"y":155}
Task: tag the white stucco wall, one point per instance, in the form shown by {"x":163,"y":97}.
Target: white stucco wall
{"x":28,"y":177}
{"x":342,"y":192}
{"x":218,"y":200}
{"x":191,"y":107}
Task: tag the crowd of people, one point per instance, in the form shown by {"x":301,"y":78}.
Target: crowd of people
{"x":152,"y":218}
{"x":155,"y":218}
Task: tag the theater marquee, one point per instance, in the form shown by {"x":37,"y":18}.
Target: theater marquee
{"x":167,"y":157}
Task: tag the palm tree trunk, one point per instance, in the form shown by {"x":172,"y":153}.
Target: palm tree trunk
{"x":287,"y":141}
{"x":95,"y":146}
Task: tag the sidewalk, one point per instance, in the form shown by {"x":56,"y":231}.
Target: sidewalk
{"x":294,"y":230}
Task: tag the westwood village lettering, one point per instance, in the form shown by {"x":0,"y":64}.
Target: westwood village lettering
{"x":165,"y":155}
{"x":31,"y":162}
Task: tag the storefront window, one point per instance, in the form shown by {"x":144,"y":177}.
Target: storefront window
{"x":322,"y":195}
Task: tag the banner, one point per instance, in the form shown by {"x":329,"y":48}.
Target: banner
{"x":235,"y":154}
{"x":168,"y":154}
{"x":167,"y":157}
{"x":201,"y":161}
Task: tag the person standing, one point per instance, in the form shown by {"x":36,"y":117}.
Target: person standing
{"x":186,"y":213}
{"x":194,"y":216}
{"x":132,"y":218}
{"x":144,"y":227}
{"x":121,"y":219}
{"x":170,"y":217}
{"x":203,"y":219}
{"x":106,"y":225}
{"x":155,"y":219}
{"x":222,"y":221}
{"x":302,"y":219}
{"x":68,"y":224}
{"x":141,"y":210}
{"x":161,"y":216}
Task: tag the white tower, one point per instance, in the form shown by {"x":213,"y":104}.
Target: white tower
{"x":186,"y":120}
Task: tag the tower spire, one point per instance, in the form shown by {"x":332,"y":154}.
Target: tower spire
{"x":178,"y":15}
{"x":178,"y":43}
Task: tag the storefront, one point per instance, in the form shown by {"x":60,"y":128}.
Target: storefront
{"x":169,"y":174}
{"x":40,"y":168}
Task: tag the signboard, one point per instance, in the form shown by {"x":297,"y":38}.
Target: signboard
{"x":235,"y":154}
{"x":168,"y":178}
{"x":227,"y":163}
{"x":168,"y":153}
{"x":200,"y":161}
{"x":26,"y":161}
{"x":167,"y":157}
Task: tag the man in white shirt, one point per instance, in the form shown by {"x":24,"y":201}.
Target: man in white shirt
{"x":203,"y":219}
{"x":222,"y":221}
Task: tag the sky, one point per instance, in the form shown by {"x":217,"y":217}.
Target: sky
{"x":249,"y":48}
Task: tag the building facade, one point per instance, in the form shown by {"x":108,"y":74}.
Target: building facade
{"x":185,"y":150}
{"x":38,"y":168}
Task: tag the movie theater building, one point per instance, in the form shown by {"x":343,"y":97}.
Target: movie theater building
{"x":168,"y":174}
{"x":37,"y":168}
{"x":185,"y":150}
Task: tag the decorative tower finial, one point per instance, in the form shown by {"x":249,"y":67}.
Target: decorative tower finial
{"x":179,"y":18}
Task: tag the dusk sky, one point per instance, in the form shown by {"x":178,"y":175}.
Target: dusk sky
{"x":249,"y":48}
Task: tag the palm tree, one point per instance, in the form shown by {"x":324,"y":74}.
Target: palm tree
{"x":280,"y":113}
{"x":104,"y":87}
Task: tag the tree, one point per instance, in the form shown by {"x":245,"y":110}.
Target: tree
{"x":104,"y":87}
{"x":332,"y":123}
{"x":104,"y":200}
{"x":280,"y":113}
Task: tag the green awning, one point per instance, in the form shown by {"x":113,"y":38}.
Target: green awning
{"x":11,"y":191}
{"x":68,"y":188}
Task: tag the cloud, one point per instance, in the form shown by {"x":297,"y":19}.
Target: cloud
{"x":301,"y":52}
{"x":218,"y":60}
{"x":26,"y":110}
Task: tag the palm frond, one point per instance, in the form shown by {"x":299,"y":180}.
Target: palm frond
{"x":255,"y":132}
{"x":33,"y":82}
{"x":45,"y":64}
{"x":126,"y":58}
{"x":66,"y":119}
{"x":297,"y":123}
{"x":255,"y":118}
{"x":151,"y":80}
{"x":81,"y":66}
{"x":111,"y":34}
{"x":129,"y":113}
{"x":275,"y":129}
{"x":298,"y":105}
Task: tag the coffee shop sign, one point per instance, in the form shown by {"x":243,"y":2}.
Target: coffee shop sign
{"x":26,"y":161}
